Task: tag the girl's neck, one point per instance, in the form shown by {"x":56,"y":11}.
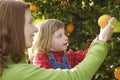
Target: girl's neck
{"x":57,"y":51}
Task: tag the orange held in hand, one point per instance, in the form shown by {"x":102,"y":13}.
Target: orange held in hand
{"x":103,"y":20}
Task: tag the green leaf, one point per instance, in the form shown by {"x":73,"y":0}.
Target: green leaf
{"x":116,"y":24}
{"x":36,"y":21}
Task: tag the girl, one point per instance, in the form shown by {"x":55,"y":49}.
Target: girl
{"x":51,"y":45}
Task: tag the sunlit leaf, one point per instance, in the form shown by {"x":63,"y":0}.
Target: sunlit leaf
{"x":116,"y":24}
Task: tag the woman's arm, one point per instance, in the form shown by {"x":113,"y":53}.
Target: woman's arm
{"x":83,"y":71}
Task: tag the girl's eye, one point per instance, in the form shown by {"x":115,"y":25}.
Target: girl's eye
{"x":59,"y":36}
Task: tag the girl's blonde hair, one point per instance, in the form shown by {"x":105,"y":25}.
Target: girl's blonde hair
{"x":46,"y":30}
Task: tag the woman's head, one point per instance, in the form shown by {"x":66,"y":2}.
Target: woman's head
{"x":13,"y":25}
{"x":12,"y":20}
{"x":47,"y":28}
{"x":30,"y":29}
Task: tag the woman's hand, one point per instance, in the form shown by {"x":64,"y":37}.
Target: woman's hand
{"x":107,"y":31}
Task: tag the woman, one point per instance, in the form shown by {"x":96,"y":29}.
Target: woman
{"x":16,"y":35}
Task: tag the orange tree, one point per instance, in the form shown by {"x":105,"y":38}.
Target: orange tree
{"x":80,"y":18}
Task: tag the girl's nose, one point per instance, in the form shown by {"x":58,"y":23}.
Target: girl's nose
{"x":66,"y":37}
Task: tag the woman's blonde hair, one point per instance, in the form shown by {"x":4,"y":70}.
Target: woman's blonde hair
{"x":46,"y":30}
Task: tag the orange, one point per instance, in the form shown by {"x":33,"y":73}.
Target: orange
{"x":117,"y":73}
{"x":70,"y":28}
{"x":103,"y":20}
{"x":33,"y":7}
{"x":63,"y":2}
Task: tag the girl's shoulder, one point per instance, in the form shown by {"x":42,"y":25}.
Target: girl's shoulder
{"x":39,"y":55}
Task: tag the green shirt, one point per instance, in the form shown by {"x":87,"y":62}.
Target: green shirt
{"x":83,"y":71}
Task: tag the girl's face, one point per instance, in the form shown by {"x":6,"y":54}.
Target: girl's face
{"x":30,"y":29}
{"x":59,"y":41}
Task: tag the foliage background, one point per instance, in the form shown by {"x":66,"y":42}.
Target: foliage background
{"x":84,"y":15}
